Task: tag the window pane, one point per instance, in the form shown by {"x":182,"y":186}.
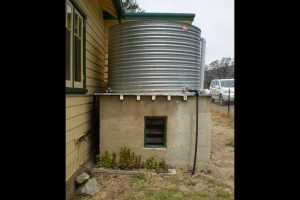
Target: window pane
{"x":68,"y":54}
{"x":69,"y":16}
{"x":155,"y":140}
{"x":154,"y":132}
{"x":76,"y":23}
{"x":80,"y":27}
{"x":78,"y":59}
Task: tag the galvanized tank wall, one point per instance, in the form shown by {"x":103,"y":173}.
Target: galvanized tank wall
{"x":154,"y":56}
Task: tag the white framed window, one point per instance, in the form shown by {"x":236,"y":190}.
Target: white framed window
{"x":75,"y":48}
{"x":69,"y":46}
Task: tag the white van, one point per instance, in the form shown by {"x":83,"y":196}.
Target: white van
{"x":219,"y":89}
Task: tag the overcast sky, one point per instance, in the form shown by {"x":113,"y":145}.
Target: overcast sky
{"x":215,"y":18}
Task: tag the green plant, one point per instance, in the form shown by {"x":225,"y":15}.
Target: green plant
{"x":127,"y":159}
{"x":230,"y":143}
{"x":132,"y":160}
{"x":104,"y":161}
{"x":151,"y":163}
{"x":163,"y":167}
{"x":139,"y":178}
{"x":114,"y":164}
{"x":123,"y":157}
{"x":139,"y":164}
{"x":97,"y":160}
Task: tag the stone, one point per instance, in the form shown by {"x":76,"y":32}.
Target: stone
{"x":82,"y":178}
{"x":90,"y":187}
{"x":172,"y":171}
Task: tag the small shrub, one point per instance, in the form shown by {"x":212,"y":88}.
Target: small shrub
{"x":151,"y":163}
{"x":139,"y":164}
{"x":97,"y":160}
{"x":104,"y":161}
{"x":163,"y":167}
{"x":128,"y":159}
{"x":114,"y":164}
{"x":131,"y":161}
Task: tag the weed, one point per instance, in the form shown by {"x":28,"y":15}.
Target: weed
{"x":223,"y":192}
{"x":230,"y":143}
{"x":104,"y":161}
{"x":163,"y":167}
{"x":127,"y":159}
{"x":114,"y":164}
{"x":170,"y":194}
{"x":222,"y":120}
{"x":139,"y":178}
{"x":192,"y":181}
{"x":151,"y":163}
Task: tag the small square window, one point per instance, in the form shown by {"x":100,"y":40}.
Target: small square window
{"x":155,"y":132}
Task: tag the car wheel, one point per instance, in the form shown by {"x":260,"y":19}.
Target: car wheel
{"x":221,"y":100}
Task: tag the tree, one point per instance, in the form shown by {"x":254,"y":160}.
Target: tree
{"x":131,"y":6}
{"x":222,"y":68}
{"x":219,"y":69}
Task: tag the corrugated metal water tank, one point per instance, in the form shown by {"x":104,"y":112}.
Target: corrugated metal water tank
{"x":154,"y":56}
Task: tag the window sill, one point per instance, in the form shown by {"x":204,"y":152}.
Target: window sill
{"x":155,"y":147}
{"x":76,"y":90}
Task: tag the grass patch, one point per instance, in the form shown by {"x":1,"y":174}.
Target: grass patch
{"x":177,"y":194}
{"x":222,"y":120}
{"x":223,"y":192}
{"x":230,"y":143}
{"x":140,"y":178}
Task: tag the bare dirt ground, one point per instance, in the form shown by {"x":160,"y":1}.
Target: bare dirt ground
{"x":212,"y":182}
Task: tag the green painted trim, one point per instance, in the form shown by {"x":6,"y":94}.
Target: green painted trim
{"x":156,"y":16}
{"x":165,"y":132}
{"x":84,"y":54}
{"x":154,"y":146}
{"x":75,"y":90}
{"x":73,"y":52}
{"x":160,"y":16}
{"x":78,"y":8}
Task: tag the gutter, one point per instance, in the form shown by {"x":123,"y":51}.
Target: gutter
{"x":118,"y":6}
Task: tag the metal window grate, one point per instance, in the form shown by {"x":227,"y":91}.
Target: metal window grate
{"x":155,"y":131}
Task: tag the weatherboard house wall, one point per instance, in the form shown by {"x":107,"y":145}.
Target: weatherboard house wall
{"x":79,"y":102}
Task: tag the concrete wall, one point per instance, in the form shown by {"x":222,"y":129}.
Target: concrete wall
{"x":122,"y":124}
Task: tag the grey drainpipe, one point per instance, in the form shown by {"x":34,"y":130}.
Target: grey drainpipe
{"x":94,"y":113}
{"x":203,"y":49}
